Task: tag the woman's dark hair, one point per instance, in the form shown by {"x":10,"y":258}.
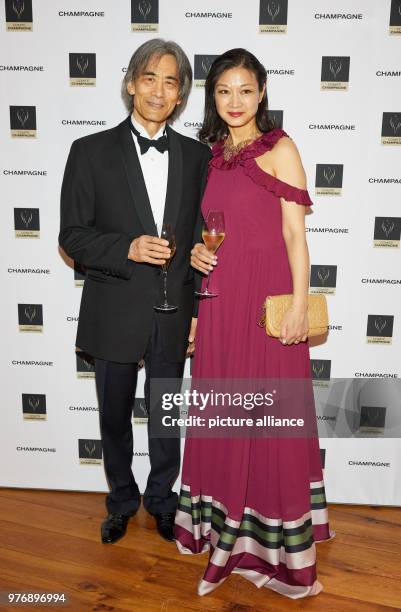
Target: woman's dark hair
{"x":214,"y":128}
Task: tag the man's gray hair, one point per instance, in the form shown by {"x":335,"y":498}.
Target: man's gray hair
{"x":156,"y":48}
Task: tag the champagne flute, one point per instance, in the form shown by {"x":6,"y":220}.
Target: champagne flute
{"x":213,"y":234}
{"x":167,"y":233}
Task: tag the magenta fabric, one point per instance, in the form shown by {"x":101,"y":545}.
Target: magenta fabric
{"x":271,"y":476}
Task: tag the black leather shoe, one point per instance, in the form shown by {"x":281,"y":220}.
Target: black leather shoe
{"x":114,"y":527}
{"x":165,"y":525}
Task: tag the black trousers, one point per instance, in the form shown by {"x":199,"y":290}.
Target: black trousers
{"x":116,"y":386}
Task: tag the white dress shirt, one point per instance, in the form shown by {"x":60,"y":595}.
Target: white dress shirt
{"x":155,"y":172}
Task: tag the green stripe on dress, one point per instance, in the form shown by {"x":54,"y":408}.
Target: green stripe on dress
{"x":317,"y":499}
{"x":250,"y":517}
{"x":185,"y":501}
{"x":293,"y":539}
{"x":319,"y":491}
{"x":265,"y":534}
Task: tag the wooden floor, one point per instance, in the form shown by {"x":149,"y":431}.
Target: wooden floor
{"x":49,"y":541}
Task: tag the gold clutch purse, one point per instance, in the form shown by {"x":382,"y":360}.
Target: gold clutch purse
{"x":276,"y":306}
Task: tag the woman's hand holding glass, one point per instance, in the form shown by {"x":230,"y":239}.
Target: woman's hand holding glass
{"x":213,"y":234}
{"x":202,"y":259}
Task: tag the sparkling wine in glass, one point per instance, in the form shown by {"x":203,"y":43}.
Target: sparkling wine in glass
{"x":167,"y":233}
{"x":213,"y":235}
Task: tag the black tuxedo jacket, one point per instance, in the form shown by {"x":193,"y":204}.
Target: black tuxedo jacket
{"x":104,"y":206}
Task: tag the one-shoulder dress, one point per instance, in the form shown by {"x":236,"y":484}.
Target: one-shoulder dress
{"x":258,"y":505}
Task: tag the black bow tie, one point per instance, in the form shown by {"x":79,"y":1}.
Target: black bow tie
{"x":161,"y":144}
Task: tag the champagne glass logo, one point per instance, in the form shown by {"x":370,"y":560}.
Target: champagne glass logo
{"x":30,"y":313}
{"x":88,"y":365}
{"x":273,"y":9}
{"x":144,"y":7}
{"x":387,"y":227}
{"x":26,"y":217}
{"x":323,"y":274}
{"x":317,"y":369}
{"x":18,"y":7}
{"x":82,"y":63}
{"x":373,"y":414}
{"x":90,"y":449}
{"x":329,"y":174}
{"x":142,"y":408}
{"x":22,"y":116}
{"x":395,"y":123}
{"x":273,"y":118}
{"x":380,"y":324}
{"x":33,"y":402}
{"x":206,"y":64}
{"x":335,"y":67}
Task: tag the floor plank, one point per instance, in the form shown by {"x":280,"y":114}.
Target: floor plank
{"x":49,"y":541}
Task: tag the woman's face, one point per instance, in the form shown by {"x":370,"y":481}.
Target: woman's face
{"x":237,"y":96}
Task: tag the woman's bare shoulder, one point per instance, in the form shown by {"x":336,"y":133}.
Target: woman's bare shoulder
{"x":287,"y":163}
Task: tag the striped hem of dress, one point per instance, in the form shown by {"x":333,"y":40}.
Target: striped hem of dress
{"x":270,"y":552}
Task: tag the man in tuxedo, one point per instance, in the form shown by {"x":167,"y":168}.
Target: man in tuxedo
{"x":119,"y":186}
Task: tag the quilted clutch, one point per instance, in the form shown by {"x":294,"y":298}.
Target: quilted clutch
{"x":276,"y":306}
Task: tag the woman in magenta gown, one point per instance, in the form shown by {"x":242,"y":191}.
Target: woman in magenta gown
{"x":257,"y":504}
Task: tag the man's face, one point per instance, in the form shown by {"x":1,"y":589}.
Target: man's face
{"x":156,"y":89}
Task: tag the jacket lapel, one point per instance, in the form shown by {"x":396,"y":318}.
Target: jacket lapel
{"x":135,"y":180}
{"x":175,"y":178}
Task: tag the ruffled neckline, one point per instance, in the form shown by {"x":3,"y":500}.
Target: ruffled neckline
{"x":264,"y":143}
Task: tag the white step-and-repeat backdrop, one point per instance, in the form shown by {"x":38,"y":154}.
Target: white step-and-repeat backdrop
{"x":334,"y":85}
